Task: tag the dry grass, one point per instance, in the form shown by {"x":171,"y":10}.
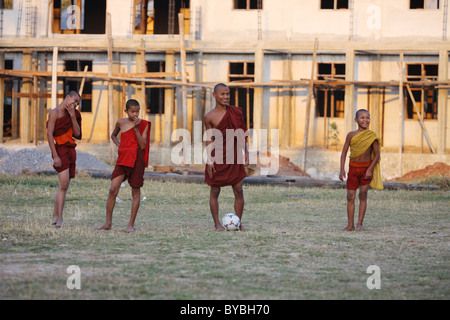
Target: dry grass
{"x":294,"y":248}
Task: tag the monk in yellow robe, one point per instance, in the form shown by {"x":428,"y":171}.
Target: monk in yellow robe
{"x":364,"y":167}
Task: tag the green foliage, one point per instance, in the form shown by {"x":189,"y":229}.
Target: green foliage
{"x":333,"y":134}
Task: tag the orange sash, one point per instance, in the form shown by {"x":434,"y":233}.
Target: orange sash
{"x":359,"y":164}
{"x":65,"y":137}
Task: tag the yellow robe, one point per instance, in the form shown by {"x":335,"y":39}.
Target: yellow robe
{"x":358,"y":145}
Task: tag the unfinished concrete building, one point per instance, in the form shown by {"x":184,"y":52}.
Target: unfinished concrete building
{"x":301,"y":66}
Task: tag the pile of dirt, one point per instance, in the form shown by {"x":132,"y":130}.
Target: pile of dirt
{"x":438,"y":169}
{"x":16,"y":161}
{"x":286,"y":168}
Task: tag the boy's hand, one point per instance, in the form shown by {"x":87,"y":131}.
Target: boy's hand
{"x":342,"y":175}
{"x":57,"y":162}
{"x":210,"y":169}
{"x":368,"y":174}
{"x":246,"y":160}
{"x":70,"y":109}
{"x":136,"y":121}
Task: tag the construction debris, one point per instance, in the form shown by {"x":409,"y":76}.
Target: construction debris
{"x":438,"y":169}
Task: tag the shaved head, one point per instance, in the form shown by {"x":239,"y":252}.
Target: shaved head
{"x":219,"y":85}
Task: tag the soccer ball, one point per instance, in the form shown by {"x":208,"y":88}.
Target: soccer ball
{"x":231,"y":222}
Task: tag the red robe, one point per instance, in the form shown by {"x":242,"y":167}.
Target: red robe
{"x":227,"y":173}
{"x":129,"y":144}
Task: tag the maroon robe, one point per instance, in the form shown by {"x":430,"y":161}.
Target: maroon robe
{"x":64,"y":142}
{"x":232,"y":168}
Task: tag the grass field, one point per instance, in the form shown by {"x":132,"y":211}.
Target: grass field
{"x":294,"y":247}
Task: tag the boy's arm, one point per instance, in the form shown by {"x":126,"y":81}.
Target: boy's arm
{"x":209,"y":164}
{"x":376,"y":157}
{"x":51,"y":142}
{"x":142,"y":142}
{"x":343,"y":157}
{"x":115,"y":133}
{"x":247,"y":160}
{"x":75,"y":126}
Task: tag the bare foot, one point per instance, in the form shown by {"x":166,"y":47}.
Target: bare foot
{"x":58,"y":223}
{"x":219,"y":228}
{"x":130,"y":229}
{"x":104,"y":227}
{"x":349,"y":228}
{"x":359,"y":227}
{"x":242,"y":228}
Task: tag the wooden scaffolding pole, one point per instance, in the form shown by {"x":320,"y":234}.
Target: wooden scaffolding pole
{"x":169,"y":100}
{"x":110,"y":90}
{"x":183,"y":69}
{"x":83,"y":82}
{"x":402,"y":117}
{"x":35,"y":105}
{"x":54,"y":77}
{"x":186,"y":155}
{"x":308,"y":105}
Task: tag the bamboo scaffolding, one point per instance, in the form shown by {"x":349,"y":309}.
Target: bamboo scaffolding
{"x":151,"y":77}
{"x":159,"y":80}
{"x":89,"y":74}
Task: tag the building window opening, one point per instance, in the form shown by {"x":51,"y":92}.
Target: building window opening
{"x":333,"y":4}
{"x":424,"y":4}
{"x":242,"y":71}
{"x":75,"y":84}
{"x":160,"y":16}
{"x":7,"y":114}
{"x":79,"y":16}
{"x":425,"y":96}
{"x":154,"y":95}
{"x":330,"y":99}
{"x":247,"y":4}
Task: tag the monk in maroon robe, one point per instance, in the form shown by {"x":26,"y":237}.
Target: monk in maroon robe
{"x":64,"y":124}
{"x":228,"y":169}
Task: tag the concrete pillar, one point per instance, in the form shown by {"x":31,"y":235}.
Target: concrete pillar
{"x":198,"y":93}
{"x":25,"y":109}
{"x":285,"y":126}
{"x":375,"y":107}
{"x":442,"y":103}
{"x":349,"y":109}
{"x":258,"y":91}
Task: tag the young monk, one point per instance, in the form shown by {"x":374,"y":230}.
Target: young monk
{"x":364,"y":167}
{"x":131,"y":161}
{"x":230,"y":171}
{"x":63,"y":125}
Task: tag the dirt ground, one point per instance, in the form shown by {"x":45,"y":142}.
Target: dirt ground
{"x":438,"y":169}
